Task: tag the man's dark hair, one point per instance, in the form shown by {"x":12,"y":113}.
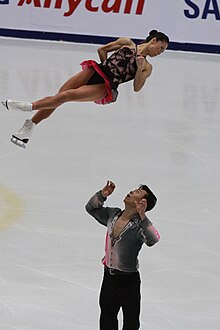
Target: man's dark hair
{"x":150,"y":197}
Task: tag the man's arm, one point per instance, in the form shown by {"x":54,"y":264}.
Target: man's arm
{"x":95,"y":208}
{"x":95,"y":205}
{"x":149,"y":234}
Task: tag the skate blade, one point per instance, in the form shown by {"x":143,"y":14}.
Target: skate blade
{"x":4,"y":105}
{"x":18,"y":142}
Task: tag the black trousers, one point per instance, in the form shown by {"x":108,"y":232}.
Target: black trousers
{"x":120,"y":291}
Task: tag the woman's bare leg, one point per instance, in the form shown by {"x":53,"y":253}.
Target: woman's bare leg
{"x":81,"y":94}
{"x":41,"y":115}
{"x":74,"y":82}
{"x":75,"y":89}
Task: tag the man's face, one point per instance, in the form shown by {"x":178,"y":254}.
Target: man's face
{"x":134,"y":196}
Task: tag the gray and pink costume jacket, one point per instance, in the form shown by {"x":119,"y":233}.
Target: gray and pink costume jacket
{"x":121,"y":253}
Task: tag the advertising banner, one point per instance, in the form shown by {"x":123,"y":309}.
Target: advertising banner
{"x":193,"y":24}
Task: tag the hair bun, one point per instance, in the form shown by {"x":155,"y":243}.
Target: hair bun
{"x":160,"y":36}
{"x":153,"y":33}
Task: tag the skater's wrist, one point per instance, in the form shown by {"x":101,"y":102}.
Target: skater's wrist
{"x":102,"y":194}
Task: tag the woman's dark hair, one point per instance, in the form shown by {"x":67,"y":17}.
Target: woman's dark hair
{"x":150,"y":197}
{"x":160,"y":36}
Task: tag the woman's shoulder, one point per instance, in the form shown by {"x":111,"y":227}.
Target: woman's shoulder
{"x":124,"y":41}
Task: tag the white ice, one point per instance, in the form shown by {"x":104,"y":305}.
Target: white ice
{"x":167,"y":136}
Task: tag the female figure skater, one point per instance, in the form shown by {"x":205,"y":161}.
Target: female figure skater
{"x":96,"y":82}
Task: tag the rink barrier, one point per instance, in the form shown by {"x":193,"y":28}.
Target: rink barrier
{"x":192,"y":47}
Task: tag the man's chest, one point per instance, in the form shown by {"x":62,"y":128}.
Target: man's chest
{"x":118,"y":227}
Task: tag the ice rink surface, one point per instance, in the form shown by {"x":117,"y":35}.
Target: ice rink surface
{"x":166,"y":136}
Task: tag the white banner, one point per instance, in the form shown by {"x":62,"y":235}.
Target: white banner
{"x":184,"y":21}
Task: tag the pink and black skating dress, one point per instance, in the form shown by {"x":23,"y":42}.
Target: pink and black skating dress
{"x":120,"y":67}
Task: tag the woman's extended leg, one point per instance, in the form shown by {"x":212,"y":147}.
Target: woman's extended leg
{"x":74,"y":82}
{"x":41,"y":115}
{"x":75,"y":89}
{"x":82,"y":94}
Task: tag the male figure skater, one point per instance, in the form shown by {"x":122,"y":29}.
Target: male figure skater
{"x":127,"y":230}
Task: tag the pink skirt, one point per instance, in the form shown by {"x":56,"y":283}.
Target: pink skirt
{"x":110,"y":97}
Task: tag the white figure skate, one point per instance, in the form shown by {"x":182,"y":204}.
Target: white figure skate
{"x":22,"y":136}
{"x":11,"y":105}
